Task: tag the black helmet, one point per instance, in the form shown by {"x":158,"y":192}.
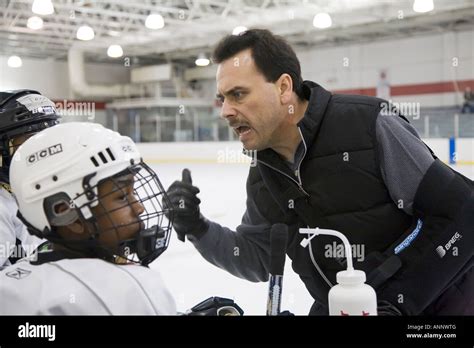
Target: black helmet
{"x":22,"y":112}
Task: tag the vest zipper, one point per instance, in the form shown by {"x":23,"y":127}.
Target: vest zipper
{"x":299,"y":183}
{"x":300,"y":186}
{"x":299,"y":164}
{"x":313,"y":260}
{"x":289,"y":177}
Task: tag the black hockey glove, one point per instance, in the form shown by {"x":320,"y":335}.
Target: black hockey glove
{"x":187,"y":219}
{"x":214,"y":306}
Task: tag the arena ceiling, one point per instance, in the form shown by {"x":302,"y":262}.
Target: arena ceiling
{"x":193,"y":26}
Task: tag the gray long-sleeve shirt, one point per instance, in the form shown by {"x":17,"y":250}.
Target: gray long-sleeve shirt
{"x":404,"y":160}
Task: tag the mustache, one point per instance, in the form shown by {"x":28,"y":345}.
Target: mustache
{"x":238,"y":124}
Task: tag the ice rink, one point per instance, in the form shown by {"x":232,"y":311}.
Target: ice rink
{"x":192,"y":279}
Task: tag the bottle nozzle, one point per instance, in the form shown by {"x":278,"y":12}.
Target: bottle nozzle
{"x":317,"y":231}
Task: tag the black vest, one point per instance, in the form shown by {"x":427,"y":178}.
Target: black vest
{"x":341,"y":187}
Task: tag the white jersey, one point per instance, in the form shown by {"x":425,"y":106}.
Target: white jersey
{"x":11,"y":229}
{"x":83,"y":287}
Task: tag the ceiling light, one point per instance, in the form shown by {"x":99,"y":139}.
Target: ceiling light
{"x":14,"y":62}
{"x":35,"y":23}
{"x":423,"y":6}
{"x":154,"y":21}
{"x":115,"y":51}
{"x":42,"y":7}
{"x":322,"y":20}
{"x":202,"y":60}
{"x":85,"y":33}
{"x":239,"y":30}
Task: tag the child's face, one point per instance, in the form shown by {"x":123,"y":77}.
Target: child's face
{"x":118,"y":211}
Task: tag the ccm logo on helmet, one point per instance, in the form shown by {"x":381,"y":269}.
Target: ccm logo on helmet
{"x":42,"y":154}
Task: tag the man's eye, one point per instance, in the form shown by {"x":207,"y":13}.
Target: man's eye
{"x":237,"y":95}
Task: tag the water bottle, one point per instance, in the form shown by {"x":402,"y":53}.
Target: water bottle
{"x":350,"y":296}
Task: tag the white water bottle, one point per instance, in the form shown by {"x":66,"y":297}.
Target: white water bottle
{"x":351,"y":296}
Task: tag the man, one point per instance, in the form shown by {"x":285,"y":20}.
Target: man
{"x":338,"y":162}
{"x":22,"y":114}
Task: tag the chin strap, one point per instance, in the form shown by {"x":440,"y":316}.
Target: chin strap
{"x":5,"y":186}
{"x":88,"y":248}
{"x":149,"y":244}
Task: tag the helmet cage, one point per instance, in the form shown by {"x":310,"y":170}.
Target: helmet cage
{"x":155,"y":229}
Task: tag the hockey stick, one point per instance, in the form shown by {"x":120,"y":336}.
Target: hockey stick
{"x":278,"y":240}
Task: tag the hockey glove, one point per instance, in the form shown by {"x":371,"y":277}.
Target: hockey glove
{"x":187,"y":219}
{"x":216,"y":306}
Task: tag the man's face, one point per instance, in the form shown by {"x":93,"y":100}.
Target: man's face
{"x":250,"y":104}
{"x":118,"y":211}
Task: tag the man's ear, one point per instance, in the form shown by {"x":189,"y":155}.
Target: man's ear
{"x":285,"y":88}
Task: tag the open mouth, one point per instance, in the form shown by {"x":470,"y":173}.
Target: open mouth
{"x":242,"y":130}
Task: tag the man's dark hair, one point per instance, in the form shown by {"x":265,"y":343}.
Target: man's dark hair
{"x":273,"y":56}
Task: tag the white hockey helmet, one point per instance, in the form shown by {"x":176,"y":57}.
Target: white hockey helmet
{"x":66,"y":163}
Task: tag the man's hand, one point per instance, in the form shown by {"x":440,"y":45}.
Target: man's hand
{"x":187,"y":218}
{"x":216,"y":306}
